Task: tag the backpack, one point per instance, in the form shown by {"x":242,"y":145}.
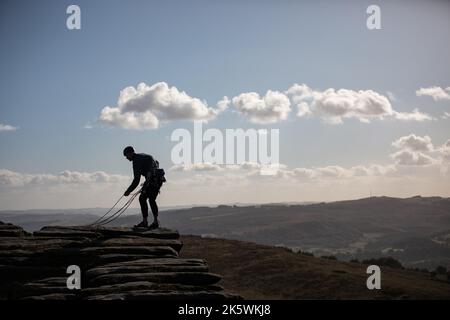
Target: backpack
{"x":158,"y":173}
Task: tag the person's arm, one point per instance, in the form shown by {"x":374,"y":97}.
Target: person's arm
{"x":137,"y":178}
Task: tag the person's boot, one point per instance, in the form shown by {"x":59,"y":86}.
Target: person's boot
{"x":154,"y":225}
{"x":143,"y":224}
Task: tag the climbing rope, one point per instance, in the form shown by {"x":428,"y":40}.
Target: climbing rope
{"x":101,"y":218}
{"x":105,"y":219}
{"x":119,"y":212}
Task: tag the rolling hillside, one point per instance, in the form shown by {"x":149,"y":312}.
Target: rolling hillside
{"x":264,"y":272}
{"x":415,"y":231}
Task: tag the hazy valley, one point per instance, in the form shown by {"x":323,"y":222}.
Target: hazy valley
{"x":415,"y":231}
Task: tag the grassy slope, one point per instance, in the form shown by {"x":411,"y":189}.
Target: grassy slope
{"x":263,"y":272}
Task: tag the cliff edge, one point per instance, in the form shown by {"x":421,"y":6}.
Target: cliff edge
{"x":115,"y":264}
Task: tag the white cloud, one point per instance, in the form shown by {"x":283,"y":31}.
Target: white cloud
{"x":344,"y":103}
{"x":446,"y":115}
{"x":444,"y":151}
{"x":7,"y":127}
{"x":417,"y":151}
{"x":301,"y":173}
{"x":196,"y":167}
{"x":437,"y":93}
{"x":146,"y":107}
{"x":414,"y":143}
{"x":223,"y":104}
{"x":246,"y":166}
{"x":338,"y":172}
{"x":335,"y":105}
{"x":332,"y":172}
{"x":274,"y":106}
{"x":303,"y":110}
{"x":128,"y":120}
{"x":415,"y":115}
{"x":250,"y":170}
{"x":410,"y":158}
{"x":372,"y":170}
{"x":447,"y":144}
{"x":414,"y":151}
{"x":391,"y":96}
{"x":10,"y":178}
{"x":299,"y":92}
{"x":418,"y":167}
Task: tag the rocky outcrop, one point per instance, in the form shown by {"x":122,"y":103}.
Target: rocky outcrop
{"x":10,"y":230}
{"x":115,"y":264}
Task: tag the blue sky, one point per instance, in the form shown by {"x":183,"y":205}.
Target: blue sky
{"x":54,"y":81}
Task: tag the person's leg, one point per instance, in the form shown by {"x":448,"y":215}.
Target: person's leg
{"x":152,"y":200}
{"x":144,"y":206}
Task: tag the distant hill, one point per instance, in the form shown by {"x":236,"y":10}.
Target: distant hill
{"x":265,"y":272}
{"x":415,"y":231}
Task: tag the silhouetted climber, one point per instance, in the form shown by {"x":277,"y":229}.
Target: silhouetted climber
{"x":145,"y":165}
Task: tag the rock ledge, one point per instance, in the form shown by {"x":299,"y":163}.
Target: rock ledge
{"x":116,"y":264}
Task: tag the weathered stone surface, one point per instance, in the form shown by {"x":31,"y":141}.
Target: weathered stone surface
{"x":11,"y":233}
{"x":95,"y":272}
{"x":8,"y":226}
{"x":128,"y":250}
{"x":44,"y":287}
{"x":146,"y":285}
{"x":139,"y":241}
{"x":8,"y":272}
{"x":160,"y":233}
{"x":10,"y":230}
{"x":118,"y":258}
{"x":15,"y":253}
{"x":53,"y":281}
{"x":116,"y":263}
{"x":159,"y":261}
{"x":174,"y":295}
{"x":192,"y":278}
{"x":37,"y":243}
{"x":52,"y":296}
{"x":112,"y":232}
{"x":13,"y":261}
{"x":66,"y":234}
{"x":39,"y":290}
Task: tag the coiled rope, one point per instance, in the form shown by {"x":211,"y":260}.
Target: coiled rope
{"x":105,"y":219}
